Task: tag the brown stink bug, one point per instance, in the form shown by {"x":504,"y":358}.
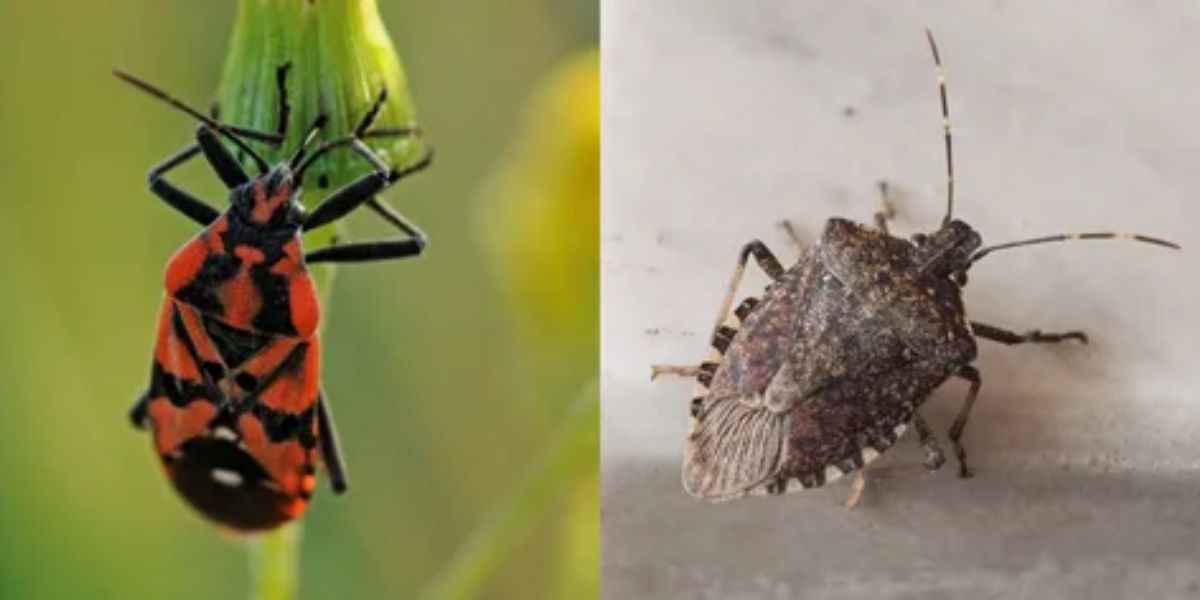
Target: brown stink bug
{"x":824,"y":371}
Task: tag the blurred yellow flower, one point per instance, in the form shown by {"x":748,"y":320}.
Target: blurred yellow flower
{"x":539,"y":217}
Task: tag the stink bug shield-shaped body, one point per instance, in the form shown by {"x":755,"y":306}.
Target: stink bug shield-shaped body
{"x":235,"y":406}
{"x":822,"y":373}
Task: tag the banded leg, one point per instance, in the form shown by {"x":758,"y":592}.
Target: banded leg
{"x":727,"y":323}
{"x":331,"y":453}
{"x":722,"y":333}
{"x":1013,"y":338}
{"x":719,"y":342}
{"x":766,"y":261}
{"x":887,"y":210}
{"x":680,"y":370}
{"x":971,"y":374}
{"x":934,"y":457}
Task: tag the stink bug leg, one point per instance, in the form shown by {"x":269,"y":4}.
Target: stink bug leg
{"x":971,"y":374}
{"x":934,"y":457}
{"x":362,"y":191}
{"x":1036,"y":336}
{"x":723,"y":330}
{"x":887,"y":210}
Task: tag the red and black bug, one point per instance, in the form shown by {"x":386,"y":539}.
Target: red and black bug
{"x":235,"y":405}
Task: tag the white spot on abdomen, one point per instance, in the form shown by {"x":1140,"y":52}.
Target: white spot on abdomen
{"x":227,"y":477}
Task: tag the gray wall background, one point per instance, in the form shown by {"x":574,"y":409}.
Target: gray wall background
{"x":723,"y":117}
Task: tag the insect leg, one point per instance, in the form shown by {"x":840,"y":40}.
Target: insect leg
{"x":766,"y":261}
{"x":934,"y":458}
{"x":727,"y":322}
{"x":354,"y":194}
{"x":331,"y":452}
{"x":189,"y":205}
{"x":222,"y":161}
{"x":887,"y":209}
{"x":681,"y":370}
{"x":719,"y":343}
{"x":971,"y":374}
{"x":857,"y":487}
{"x":358,"y":192}
{"x":790,"y":229}
{"x":411,"y":245}
{"x":1012,"y":338}
{"x":137,"y":412}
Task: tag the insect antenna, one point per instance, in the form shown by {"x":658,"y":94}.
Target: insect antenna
{"x":1066,"y":237}
{"x":199,"y":116}
{"x":353,"y":140}
{"x":309,"y":138}
{"x":360,"y":132}
{"x":941,"y":81}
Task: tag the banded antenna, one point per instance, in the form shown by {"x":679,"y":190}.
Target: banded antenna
{"x":941,"y":81}
{"x":1067,"y":237}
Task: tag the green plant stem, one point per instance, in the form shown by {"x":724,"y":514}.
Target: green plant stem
{"x":275,"y":560}
{"x":340,"y":59}
{"x":571,"y":452}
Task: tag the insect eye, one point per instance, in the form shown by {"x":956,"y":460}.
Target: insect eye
{"x":296,"y":215}
{"x":959,"y":277}
{"x":919,"y":239}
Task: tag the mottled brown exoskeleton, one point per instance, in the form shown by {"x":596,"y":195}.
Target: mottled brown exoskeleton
{"x":826,"y":369}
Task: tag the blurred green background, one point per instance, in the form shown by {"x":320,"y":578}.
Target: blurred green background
{"x":446,"y":389}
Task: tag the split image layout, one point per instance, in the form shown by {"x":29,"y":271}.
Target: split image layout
{"x":599,"y":299}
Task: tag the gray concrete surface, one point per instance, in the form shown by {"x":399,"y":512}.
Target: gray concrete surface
{"x":722,"y":117}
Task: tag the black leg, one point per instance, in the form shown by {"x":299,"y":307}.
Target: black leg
{"x":971,"y":374}
{"x":189,"y":205}
{"x":331,"y":452}
{"x":222,"y":162}
{"x":1012,"y":338}
{"x":766,"y":261}
{"x":411,"y":245}
{"x":363,"y":189}
{"x":347,"y":198}
{"x":368,"y":251}
{"x":137,"y":412}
